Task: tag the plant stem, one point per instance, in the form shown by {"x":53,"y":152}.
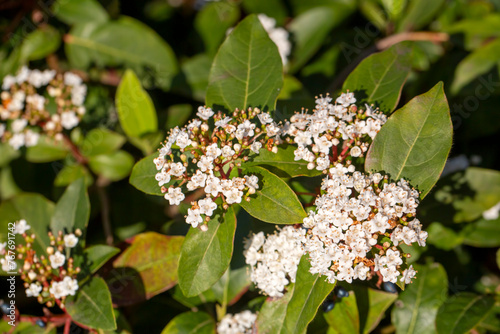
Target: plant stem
{"x":106,"y":222}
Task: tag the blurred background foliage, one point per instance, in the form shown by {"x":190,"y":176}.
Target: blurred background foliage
{"x":170,"y":46}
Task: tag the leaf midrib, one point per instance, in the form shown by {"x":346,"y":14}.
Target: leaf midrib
{"x":417,"y":303}
{"x":463,"y":312}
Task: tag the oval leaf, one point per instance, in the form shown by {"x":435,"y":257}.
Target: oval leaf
{"x":344,"y":318}
{"x":272,"y":313}
{"x":191,"y":323}
{"x":114,"y":166}
{"x":461,"y":313}
{"x":309,"y":293}
{"x":421,"y":300}
{"x":379,"y":78}
{"x":101,"y":141}
{"x":73,"y":12}
{"x":47,"y":150}
{"x":136,"y":111}
{"x":247,"y":71}
{"x":96,"y":256}
{"x":91,"y":305}
{"x":205,"y":256}
{"x":372,"y":305}
{"x":415,"y":141}
{"x":143,"y":176}
{"x":274,"y":202}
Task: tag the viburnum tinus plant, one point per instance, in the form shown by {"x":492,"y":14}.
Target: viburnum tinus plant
{"x":265,"y":172}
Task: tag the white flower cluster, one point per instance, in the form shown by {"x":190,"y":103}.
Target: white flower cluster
{"x":206,"y":154}
{"x":274,"y":259}
{"x":36,"y":101}
{"x":240,"y":323}
{"x":334,"y":132}
{"x":68,"y":286}
{"x":358,"y":224}
{"x":278,"y":35}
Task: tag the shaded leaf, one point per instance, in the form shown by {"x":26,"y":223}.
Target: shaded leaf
{"x":205,"y":256}
{"x":231,"y":285}
{"x":372,"y":305}
{"x":143,"y":176}
{"x":191,"y":323}
{"x":483,"y":233}
{"x":101,"y":141}
{"x":79,"y":11}
{"x":419,"y":14}
{"x":40,"y":43}
{"x":344,"y":318}
{"x":443,"y":237}
{"x":380,"y":77}
{"x":47,"y":150}
{"x":71,"y":173}
{"x":178,"y":115}
{"x":96,"y":256}
{"x":415,"y":141}
{"x":247,"y":70}
{"x":114,"y":166}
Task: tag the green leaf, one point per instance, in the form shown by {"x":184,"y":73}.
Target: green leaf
{"x":372,"y":305}
{"x":231,"y":285}
{"x":419,"y":14}
{"x":47,"y":150}
{"x":272,"y":313}
{"x":96,"y":256}
{"x":213,"y":21}
{"x":40,"y":43}
{"x":143,"y":176}
{"x":443,"y":237}
{"x":79,"y":11}
{"x":37,"y":211}
{"x":415,"y":141}
{"x":283,"y":160}
{"x":419,"y":303}
{"x":380,"y":77}
{"x":483,"y":233}
{"x":309,"y":293}
{"x":310,"y":30}
{"x":71,"y":173}
{"x":152,"y":260}
{"x":191,"y":323}
{"x":178,"y":114}
{"x":72,"y":211}
{"x":25,"y":327}
{"x":149,"y":142}
{"x":101,"y":141}
{"x":7,"y":154}
{"x":344,"y":318}
{"x":125,"y":41}
{"x":486,"y":26}
{"x":114,"y":166}
{"x":475,"y":64}
{"x":91,"y":305}
{"x":247,"y":71}
{"x":136,"y":111}
{"x":205,"y":256}
{"x":394,"y":7}
{"x":274,"y":202}
{"x":196,"y":71}
{"x":462,"y":312}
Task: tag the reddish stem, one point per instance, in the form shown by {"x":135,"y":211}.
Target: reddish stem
{"x":75,"y":151}
{"x":343,"y":154}
{"x":67,"y":325}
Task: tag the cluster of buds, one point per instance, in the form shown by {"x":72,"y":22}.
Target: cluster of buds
{"x":206,"y":155}
{"x":239,"y":323}
{"x":334,"y":133}
{"x":39,"y":102}
{"x":274,"y":260}
{"x":357,"y":227}
{"x":52,"y":277}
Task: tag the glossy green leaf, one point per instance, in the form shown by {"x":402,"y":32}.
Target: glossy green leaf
{"x":419,"y":14}
{"x":483,"y":233}
{"x":143,"y":176}
{"x":101,"y":141}
{"x":475,"y":64}
{"x":272,"y":313}
{"x":443,"y":237}
{"x":205,"y":256}
{"x":191,"y":323}
{"x":152,"y":259}
{"x":79,"y":11}
{"x":415,"y":141}
{"x":284,"y":160}
{"x":247,"y":70}
{"x":310,"y":30}
{"x":114,"y":166}
{"x":213,"y":21}
{"x":36,"y":210}
{"x":72,"y":211}
{"x":344,"y":318}
{"x":418,"y":305}
{"x":274,"y":202}
{"x":309,"y":293}
{"x":372,"y":305}
{"x":91,"y":305}
{"x":136,"y":110}
{"x":96,"y":256}
{"x":379,"y":78}
{"x":462,"y":312}
{"x":24,"y":327}
{"x":125,"y":41}
{"x":47,"y":150}
{"x":71,"y":173}
{"x":40,"y":43}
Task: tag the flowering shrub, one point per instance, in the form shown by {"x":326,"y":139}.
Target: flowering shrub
{"x":176,"y":174}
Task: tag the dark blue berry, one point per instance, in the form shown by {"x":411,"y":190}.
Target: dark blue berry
{"x":390,"y":287}
{"x":40,"y":323}
{"x":341,"y":292}
{"x":328,"y":305}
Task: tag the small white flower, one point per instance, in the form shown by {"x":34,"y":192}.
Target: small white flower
{"x":21,"y":227}
{"x":57,"y":260}
{"x":207,"y":206}
{"x":70,"y":285}
{"x":204,"y":113}
{"x":194,"y":217}
{"x":70,"y":240}
{"x":18,"y":125}
{"x":174,"y":196}
{"x":69,"y":120}
{"x":58,"y":290}
{"x":17,"y":141}
{"x":33,"y":290}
